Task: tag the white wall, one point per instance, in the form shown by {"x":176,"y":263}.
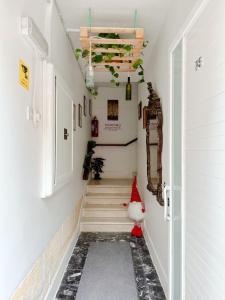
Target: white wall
{"x":157,"y":71}
{"x":120,"y":161}
{"x":28,"y":222}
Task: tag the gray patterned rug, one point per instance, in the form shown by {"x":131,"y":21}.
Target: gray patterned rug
{"x":108,"y":273}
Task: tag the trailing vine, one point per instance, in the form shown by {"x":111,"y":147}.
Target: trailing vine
{"x":99,"y":57}
{"x":93,"y":91}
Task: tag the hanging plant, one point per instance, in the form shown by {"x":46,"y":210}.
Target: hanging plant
{"x":97,"y":57}
{"x":137,"y":65}
{"x":93,"y":91}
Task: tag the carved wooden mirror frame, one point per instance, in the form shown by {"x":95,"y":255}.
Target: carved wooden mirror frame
{"x":154,"y":112}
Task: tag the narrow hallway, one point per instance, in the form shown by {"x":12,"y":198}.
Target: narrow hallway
{"x":112,"y":156}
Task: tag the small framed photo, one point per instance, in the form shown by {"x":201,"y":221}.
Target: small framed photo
{"x":80,"y":116}
{"x":74,"y":117}
{"x":113,"y":110}
{"x":85,"y":106}
{"x":140,"y":110}
{"x":90,"y":107}
{"x":145,"y":111}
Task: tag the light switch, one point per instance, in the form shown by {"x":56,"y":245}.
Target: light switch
{"x":29,"y":113}
{"x":66,"y":134}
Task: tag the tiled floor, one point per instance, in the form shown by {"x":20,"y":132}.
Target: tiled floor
{"x":148,"y":284}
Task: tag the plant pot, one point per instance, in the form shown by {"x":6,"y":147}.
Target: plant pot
{"x":97,"y":177}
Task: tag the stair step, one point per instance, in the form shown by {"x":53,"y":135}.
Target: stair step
{"x":113,"y":195}
{"x":111,"y":182}
{"x":106,"y":224}
{"x":105,"y":198}
{"x":107,"y":220}
{"x":104,"y":210}
{"x":109,"y":189}
{"x":112,"y":186}
{"x":105,"y":206}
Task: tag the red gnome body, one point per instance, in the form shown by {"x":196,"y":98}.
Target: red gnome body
{"x":136,"y":210}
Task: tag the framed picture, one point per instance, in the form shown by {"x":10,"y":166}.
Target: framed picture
{"x":80,"y":116}
{"x":113,"y":110}
{"x":85,"y":106}
{"x":140,"y":110}
{"x":145,"y":110}
{"x":90,"y":107}
{"x":74,"y":117}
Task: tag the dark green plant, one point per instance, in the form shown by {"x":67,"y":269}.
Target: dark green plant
{"x":97,"y":164}
{"x":87,"y":160}
{"x":93,"y":91}
{"x":137,"y":65}
{"x":108,"y":57}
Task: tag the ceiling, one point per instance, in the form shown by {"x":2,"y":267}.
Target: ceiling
{"x":117,"y":13}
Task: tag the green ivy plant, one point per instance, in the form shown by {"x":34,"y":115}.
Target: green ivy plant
{"x":93,"y":91}
{"x":108,"y":57}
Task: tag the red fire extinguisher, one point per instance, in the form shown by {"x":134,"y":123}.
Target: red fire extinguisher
{"x":94,"y":127}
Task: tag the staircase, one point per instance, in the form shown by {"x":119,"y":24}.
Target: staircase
{"x":103,"y":209}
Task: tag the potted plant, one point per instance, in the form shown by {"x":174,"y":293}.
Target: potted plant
{"x":106,"y":57}
{"x":96,"y":165}
{"x":87,"y":160}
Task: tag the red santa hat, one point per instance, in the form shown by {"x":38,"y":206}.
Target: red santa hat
{"x":136,"y":210}
{"x":135,"y":197}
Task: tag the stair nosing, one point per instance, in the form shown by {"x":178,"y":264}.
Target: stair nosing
{"x":102,"y":221}
{"x":107,"y":195}
{"x":110,"y":186}
{"x":104,"y":207}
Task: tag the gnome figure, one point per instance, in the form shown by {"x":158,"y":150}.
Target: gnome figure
{"x":136,"y":210}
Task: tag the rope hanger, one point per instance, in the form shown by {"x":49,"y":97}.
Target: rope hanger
{"x":89,"y":18}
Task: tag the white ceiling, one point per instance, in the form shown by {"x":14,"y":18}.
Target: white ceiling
{"x":116,"y":13}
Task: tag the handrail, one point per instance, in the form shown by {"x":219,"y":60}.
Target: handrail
{"x":120,"y":145}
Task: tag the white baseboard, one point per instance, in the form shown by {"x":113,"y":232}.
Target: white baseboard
{"x":156,"y":261}
{"x":51,"y":294}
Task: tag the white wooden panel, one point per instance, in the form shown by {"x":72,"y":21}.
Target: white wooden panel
{"x":205,"y":156}
{"x":57,"y":115}
{"x":59,"y":131}
{"x":64,"y":146}
{"x":48,"y":147}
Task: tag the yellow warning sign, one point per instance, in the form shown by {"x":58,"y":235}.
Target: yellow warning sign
{"x":24,"y":74}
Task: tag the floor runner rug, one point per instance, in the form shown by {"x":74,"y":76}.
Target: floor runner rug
{"x":108,"y":273}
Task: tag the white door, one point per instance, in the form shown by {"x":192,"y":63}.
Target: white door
{"x":204,"y":151}
{"x":174,"y":198}
{"x":64,"y":133}
{"x":57,"y":153}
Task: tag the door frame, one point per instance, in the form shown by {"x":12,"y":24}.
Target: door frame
{"x":182,"y":164}
{"x":181,"y":37}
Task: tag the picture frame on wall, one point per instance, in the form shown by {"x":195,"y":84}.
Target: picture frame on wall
{"x":80,"y":116}
{"x":140,"y":110}
{"x":145,"y":109}
{"x":85,"y":106}
{"x":113,"y":110}
{"x":90,"y":107}
{"x":74,"y":117}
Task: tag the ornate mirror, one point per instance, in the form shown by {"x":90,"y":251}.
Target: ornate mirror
{"x":153,"y":121}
